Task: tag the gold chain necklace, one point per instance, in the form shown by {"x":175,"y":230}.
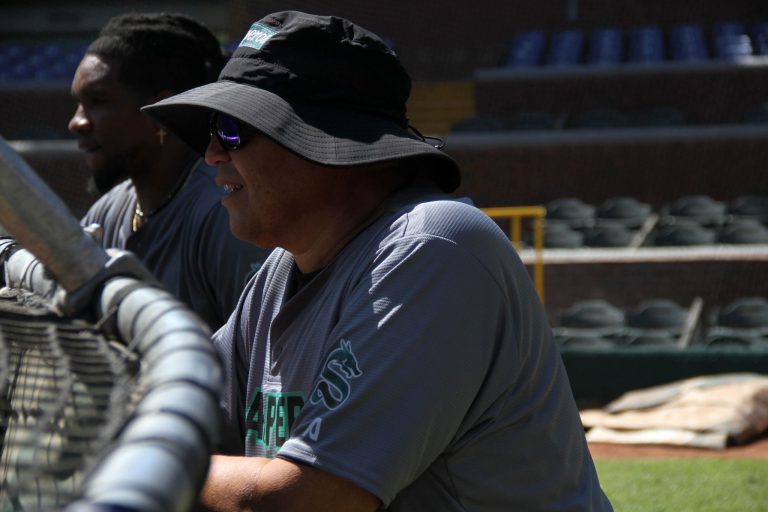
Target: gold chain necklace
{"x":140,"y":217}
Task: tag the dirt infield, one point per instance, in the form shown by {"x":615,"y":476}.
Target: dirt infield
{"x":758,"y":449}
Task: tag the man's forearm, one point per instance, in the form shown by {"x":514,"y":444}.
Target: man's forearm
{"x":259,"y":484}
{"x":231,"y":483}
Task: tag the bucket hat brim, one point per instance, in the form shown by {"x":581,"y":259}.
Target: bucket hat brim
{"x":325,"y":135}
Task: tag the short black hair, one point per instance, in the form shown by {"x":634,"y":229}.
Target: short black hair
{"x":158,"y":51}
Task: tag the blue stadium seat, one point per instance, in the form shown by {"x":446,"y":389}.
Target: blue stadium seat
{"x":565,"y":48}
{"x":646,"y":45}
{"x":730,"y":40}
{"x":606,"y":47}
{"x":11,"y":55}
{"x":14,"y":51}
{"x":687,"y":43}
{"x":526,"y":49}
{"x":760,"y":38}
{"x":43,"y":60}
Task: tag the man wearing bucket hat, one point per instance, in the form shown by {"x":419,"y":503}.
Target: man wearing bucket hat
{"x":392,"y":352}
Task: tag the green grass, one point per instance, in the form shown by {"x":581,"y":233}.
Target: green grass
{"x":685,"y":485}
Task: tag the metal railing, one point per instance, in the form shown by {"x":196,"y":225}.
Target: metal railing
{"x":515,"y":215}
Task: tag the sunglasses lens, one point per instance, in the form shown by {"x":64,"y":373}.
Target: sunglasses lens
{"x":228,"y":131}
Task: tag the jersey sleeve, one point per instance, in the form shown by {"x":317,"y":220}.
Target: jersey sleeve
{"x":411,"y":351}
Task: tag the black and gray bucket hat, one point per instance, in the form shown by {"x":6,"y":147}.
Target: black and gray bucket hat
{"x":322,"y":87}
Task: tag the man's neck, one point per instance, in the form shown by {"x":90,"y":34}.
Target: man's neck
{"x":161,"y":179}
{"x":341,"y":225}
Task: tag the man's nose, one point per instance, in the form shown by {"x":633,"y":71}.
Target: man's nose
{"x":79,"y":122}
{"x":215,"y":154}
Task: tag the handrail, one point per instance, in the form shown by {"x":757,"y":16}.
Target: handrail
{"x":515,"y":214}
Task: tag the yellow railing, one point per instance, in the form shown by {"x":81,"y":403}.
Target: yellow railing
{"x":515,"y":214}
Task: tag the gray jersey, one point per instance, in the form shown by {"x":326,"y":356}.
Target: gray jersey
{"x":187,"y":245}
{"x":419,"y":364}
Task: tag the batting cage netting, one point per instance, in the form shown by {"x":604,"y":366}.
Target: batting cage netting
{"x":109,"y":386}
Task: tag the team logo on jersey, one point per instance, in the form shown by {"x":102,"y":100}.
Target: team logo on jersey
{"x":333,"y":387}
{"x":269,"y":418}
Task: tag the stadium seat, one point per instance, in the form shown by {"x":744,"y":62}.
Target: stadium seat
{"x":732,"y":338}
{"x":657,"y":314}
{"x":565,"y":48}
{"x":698,"y":208}
{"x":760,"y":38}
{"x":606,"y":47}
{"x":13,"y":49}
{"x":42,"y":61}
{"x":687,"y":43}
{"x":749,"y":207}
{"x":646,"y":45}
{"x":572,"y":211}
{"x":526,"y":49}
{"x":592,"y":313}
{"x":745,"y":312}
{"x":730,"y":40}
{"x":590,"y":319}
{"x":743,"y":231}
{"x":561,"y":236}
{"x":627,"y":210}
{"x":655,"y":322}
{"x":608,"y":234}
{"x":683,"y":233}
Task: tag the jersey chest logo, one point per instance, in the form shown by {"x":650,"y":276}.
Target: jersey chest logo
{"x":333,"y":387}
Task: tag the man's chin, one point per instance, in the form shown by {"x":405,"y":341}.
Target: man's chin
{"x":103,"y":178}
{"x":92,"y":188}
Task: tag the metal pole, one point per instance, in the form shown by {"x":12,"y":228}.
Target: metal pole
{"x":40,"y":221}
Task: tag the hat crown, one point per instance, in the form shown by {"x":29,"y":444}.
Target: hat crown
{"x":324,"y":61}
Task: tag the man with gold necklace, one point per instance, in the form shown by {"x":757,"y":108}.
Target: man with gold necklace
{"x":160,"y":200}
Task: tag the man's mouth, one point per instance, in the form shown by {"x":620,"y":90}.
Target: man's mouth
{"x":230,"y":188}
{"x":88,"y":148}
